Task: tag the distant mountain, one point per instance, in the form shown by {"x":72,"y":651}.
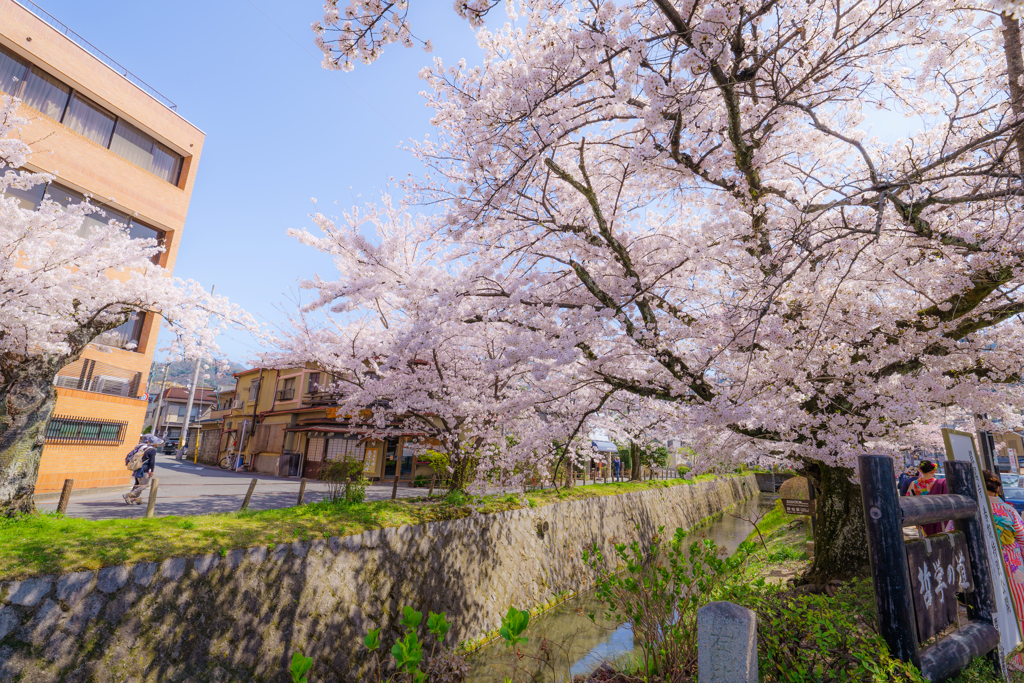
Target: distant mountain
{"x":180,"y":372}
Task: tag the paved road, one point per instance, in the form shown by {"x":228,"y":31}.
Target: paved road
{"x":188,"y":489}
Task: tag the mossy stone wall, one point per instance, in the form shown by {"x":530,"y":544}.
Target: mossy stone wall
{"x":241,"y":616}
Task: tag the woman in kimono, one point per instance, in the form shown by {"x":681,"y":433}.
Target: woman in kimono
{"x":1010,"y":530}
{"x":925,"y":485}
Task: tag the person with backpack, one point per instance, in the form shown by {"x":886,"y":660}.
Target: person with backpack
{"x":141,"y":462}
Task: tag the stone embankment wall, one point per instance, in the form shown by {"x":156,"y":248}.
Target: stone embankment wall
{"x":241,"y":616}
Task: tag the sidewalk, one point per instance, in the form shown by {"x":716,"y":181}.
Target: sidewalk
{"x":195,"y":489}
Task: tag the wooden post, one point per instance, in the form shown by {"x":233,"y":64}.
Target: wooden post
{"x":302,"y":491}
{"x":248,"y":496}
{"x":889,"y":567}
{"x":431,"y":492}
{"x":394,"y":487}
{"x":981,"y":601}
{"x":151,"y":503}
{"x":65,"y":496}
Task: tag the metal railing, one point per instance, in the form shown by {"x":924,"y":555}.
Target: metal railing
{"x":99,"y":378}
{"x":69,"y":429}
{"x":96,"y":52}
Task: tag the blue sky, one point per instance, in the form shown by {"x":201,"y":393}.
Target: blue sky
{"x":279,"y":128}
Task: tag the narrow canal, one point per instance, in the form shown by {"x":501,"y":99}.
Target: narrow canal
{"x":564,"y":642}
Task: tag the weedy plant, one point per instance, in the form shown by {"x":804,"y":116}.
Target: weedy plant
{"x":658,"y":592}
{"x":300,"y":666}
{"x":408,"y":654}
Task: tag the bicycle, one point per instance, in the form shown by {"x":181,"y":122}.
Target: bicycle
{"x":228,"y":463}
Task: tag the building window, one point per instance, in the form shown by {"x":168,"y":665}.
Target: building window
{"x":142,"y":150}
{"x":45,"y":94}
{"x":31,"y":199}
{"x":254,"y":389}
{"x":314,"y":382}
{"x":126,"y":335}
{"x":54,"y":99}
{"x":90,"y":121}
{"x":287,"y":391}
{"x":12,"y":72}
{"x":71,"y":430}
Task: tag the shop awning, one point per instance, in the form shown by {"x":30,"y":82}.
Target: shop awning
{"x":604,"y":447}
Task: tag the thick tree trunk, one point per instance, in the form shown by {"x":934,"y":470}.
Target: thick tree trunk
{"x":634,"y":462}
{"x":1014,"y":74}
{"x":26,"y":402}
{"x":840,"y":538}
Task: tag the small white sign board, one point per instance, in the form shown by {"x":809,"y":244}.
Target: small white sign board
{"x":960,"y":447}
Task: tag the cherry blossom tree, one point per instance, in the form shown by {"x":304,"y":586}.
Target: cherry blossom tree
{"x":685,"y":193}
{"x":465,"y":390}
{"x":63,"y":283}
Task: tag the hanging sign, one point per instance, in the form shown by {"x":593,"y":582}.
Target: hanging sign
{"x":796,"y":506}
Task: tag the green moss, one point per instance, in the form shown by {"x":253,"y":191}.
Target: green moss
{"x":49,"y":543}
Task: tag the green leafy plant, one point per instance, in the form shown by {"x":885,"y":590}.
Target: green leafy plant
{"x":344,"y":479}
{"x":806,"y":637}
{"x":658,"y":592}
{"x":300,"y":666}
{"x":408,"y":654}
{"x":512,"y":626}
{"x":456,"y":499}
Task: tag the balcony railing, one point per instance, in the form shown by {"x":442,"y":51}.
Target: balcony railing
{"x":286,"y":395}
{"x":322,"y":398}
{"x":99,"y":378}
{"x":96,"y":52}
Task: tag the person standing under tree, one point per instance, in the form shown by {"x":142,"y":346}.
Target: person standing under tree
{"x":142,"y":461}
{"x":616,"y":468}
{"x":928,"y":485}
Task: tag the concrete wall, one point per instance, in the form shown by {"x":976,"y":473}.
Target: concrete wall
{"x":240,"y":616}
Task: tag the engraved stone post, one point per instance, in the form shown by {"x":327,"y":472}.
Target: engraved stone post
{"x":726,"y":644}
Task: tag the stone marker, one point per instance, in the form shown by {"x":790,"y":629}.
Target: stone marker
{"x":726,"y":644}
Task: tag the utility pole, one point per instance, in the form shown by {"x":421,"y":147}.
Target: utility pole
{"x":191,"y":398}
{"x":160,"y":400}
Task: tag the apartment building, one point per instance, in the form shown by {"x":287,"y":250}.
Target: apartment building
{"x":287,"y":422}
{"x":168,"y":422}
{"x":100,"y":131}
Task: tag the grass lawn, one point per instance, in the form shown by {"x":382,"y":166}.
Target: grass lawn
{"x":50,"y":543}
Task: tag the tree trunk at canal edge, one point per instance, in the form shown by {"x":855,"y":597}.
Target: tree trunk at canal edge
{"x":840,"y":539}
{"x":27,"y":399}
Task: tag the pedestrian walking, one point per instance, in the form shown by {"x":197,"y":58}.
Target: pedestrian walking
{"x":141,"y":461}
{"x":616,"y":469}
{"x":907,"y":477}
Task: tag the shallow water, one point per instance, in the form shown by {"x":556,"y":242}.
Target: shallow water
{"x":564,"y":642}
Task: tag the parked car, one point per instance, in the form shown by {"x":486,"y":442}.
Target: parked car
{"x":1010,"y":480}
{"x":170,"y":446}
{"x":1014,"y":495}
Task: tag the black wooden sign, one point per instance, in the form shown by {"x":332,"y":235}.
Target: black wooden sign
{"x":795,"y":506}
{"x":939,"y":569}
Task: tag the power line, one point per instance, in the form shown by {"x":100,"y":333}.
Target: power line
{"x":302,"y":47}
